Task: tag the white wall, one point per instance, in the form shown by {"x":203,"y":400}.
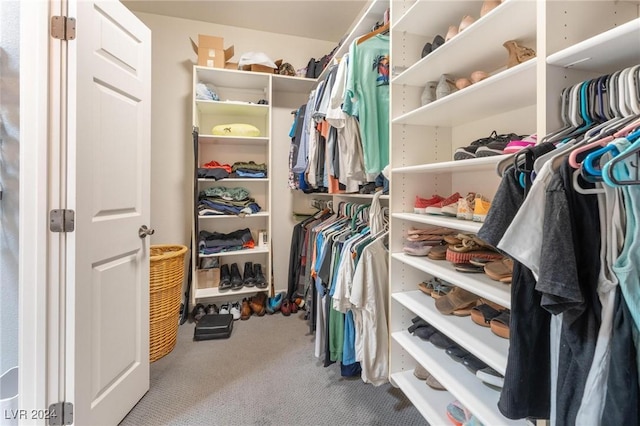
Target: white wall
{"x":9,"y":179}
{"x":171,"y":150}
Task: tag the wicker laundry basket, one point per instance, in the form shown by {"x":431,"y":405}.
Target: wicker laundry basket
{"x":166,"y":275}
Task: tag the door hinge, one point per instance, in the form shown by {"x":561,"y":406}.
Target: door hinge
{"x":62,"y":220}
{"x":63,"y":28}
{"x":61,"y":413}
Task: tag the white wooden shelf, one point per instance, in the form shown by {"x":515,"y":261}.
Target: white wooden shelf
{"x":478,"y":398}
{"x":472,"y":164}
{"x":203,"y":293}
{"x":508,"y":90}
{"x":256,"y":250}
{"x":426,"y":17}
{"x":373,"y":13}
{"x":476,"y":339}
{"x":449,"y":222}
{"x":361,"y":196}
{"x":290,"y":84}
{"x":233,"y":140}
{"x":227,"y":180}
{"x":478,"y":47}
{"x":431,"y":403}
{"x":479,"y":284}
{"x":232,"y":108}
{"x":232,"y":78}
{"x":233,"y":216}
{"x":612,"y":50}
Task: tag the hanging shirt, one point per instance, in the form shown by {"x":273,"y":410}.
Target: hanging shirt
{"x":369,"y":295}
{"x":367,"y":97}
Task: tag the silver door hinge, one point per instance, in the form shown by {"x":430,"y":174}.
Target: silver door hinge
{"x":61,"y":413}
{"x":62,"y":220}
{"x":63,"y":28}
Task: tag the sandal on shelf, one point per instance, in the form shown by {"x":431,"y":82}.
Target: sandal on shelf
{"x":458,"y":299}
{"x":457,"y":257}
{"x":441,"y":290}
{"x":500,"y":270}
{"x":468,"y":268}
{"x":429,"y":285}
{"x":500,"y":324}
{"x":438,"y":252}
{"x":483,"y":314}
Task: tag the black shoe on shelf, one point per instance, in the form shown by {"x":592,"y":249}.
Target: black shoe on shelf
{"x":236,"y":278}
{"x":261,"y":282}
{"x":225,"y":278}
{"x":248,"y":278}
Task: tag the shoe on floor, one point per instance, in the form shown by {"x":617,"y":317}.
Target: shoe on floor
{"x":285,"y":307}
{"x":258,"y":304}
{"x":274,"y":303}
{"x":211,"y":309}
{"x":245,"y":312}
{"x":198,"y":312}
{"x":235,"y":310}
{"x":225,"y":308}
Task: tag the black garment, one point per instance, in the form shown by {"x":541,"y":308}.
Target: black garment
{"x":526,"y":390}
{"x":621,"y":403}
{"x":218,"y":239}
{"x":568,"y":278}
{"x":216,"y":173}
{"x":295,"y":251}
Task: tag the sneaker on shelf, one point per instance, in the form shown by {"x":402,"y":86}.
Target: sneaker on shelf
{"x":481,"y":208}
{"x":465,"y":206}
{"x":498,"y":145}
{"x":421,"y":204}
{"x":465,"y":152}
{"x":517,"y":145}
{"x":235,"y":310}
{"x":437,"y":207}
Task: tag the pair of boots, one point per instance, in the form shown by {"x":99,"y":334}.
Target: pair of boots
{"x":230,"y":278}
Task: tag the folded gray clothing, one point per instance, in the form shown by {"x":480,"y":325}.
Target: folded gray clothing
{"x":218,"y":239}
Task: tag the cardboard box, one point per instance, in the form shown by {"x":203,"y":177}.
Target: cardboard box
{"x":211,"y":52}
{"x":208,"y":278}
{"x":231,"y":65}
{"x":262,"y":68}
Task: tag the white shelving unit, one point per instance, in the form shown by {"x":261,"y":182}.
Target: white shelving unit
{"x":574,"y":41}
{"x":239,"y":94}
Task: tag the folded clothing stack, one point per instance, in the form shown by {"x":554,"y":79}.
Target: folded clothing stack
{"x":220,"y":200}
{"x":214,"y":170}
{"x":248,"y":170}
{"x":217,"y":242}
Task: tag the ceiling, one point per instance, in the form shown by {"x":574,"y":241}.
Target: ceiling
{"x":326,"y":20}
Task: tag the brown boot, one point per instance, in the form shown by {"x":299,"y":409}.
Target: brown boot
{"x":245,"y":312}
{"x":258,"y":303}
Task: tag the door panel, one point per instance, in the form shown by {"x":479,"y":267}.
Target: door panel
{"x":109,"y":67}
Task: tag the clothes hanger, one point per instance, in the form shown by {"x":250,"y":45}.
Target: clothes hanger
{"x":373,"y":33}
{"x":633,"y":149}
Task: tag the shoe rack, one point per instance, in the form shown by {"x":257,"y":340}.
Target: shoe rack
{"x":239,"y":93}
{"x":574,"y":41}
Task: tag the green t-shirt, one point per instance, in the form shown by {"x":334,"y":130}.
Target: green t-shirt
{"x":367,"y":97}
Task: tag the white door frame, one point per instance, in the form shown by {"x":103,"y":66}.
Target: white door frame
{"x":38,"y":262}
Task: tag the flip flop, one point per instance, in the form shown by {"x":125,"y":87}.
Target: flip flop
{"x":468,"y":268}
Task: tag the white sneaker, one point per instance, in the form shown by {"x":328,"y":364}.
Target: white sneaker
{"x":224,"y":308}
{"x":235,"y":310}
